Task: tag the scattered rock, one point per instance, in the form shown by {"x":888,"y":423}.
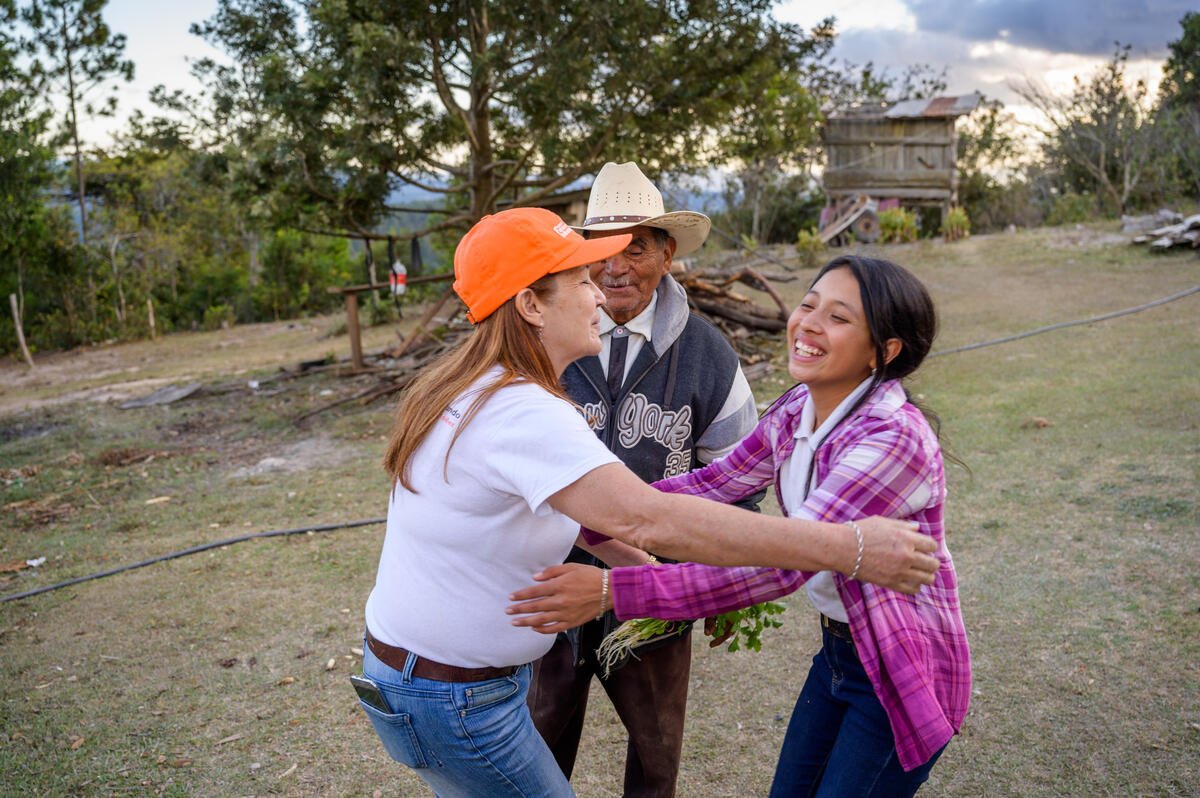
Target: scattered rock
{"x":163,"y":396}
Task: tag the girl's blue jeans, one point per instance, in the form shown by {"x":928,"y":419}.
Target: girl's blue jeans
{"x":465,"y":739}
{"x":839,"y":742}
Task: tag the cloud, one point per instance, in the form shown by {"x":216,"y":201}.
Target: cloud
{"x":994,"y":68}
{"x":968,"y":68}
{"x":1082,"y":27}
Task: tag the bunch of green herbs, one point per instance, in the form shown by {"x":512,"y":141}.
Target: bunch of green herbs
{"x":743,"y":627}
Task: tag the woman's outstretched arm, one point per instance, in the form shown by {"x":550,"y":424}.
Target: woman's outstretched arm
{"x":612,"y":500}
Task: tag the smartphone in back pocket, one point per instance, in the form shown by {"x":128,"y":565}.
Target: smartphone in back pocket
{"x":369,"y":692}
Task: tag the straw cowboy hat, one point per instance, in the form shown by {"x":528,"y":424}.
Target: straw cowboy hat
{"x":623,"y":197}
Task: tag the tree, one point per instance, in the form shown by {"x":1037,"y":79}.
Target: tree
{"x":75,"y":54}
{"x":1179,"y":104}
{"x":26,"y":164}
{"x":1101,"y":131}
{"x":339,"y":104}
{"x":1181,"y":72}
{"x":773,"y":133}
{"x":163,"y":211}
{"x":993,"y":187}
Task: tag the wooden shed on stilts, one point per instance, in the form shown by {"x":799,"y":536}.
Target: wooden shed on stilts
{"x":894,"y":154}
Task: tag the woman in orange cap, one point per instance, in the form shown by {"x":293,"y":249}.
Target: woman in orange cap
{"x":494,"y":470}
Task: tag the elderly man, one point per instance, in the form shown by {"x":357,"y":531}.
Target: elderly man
{"x":666,"y":394}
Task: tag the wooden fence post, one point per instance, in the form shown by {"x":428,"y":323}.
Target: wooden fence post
{"x":16,"y":314}
{"x":356,"y":357}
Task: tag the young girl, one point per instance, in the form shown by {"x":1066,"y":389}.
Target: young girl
{"x":892,"y":680}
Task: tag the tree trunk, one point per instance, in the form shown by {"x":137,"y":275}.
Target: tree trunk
{"x":16,"y":314}
{"x":371,"y":278}
{"x":483,"y":179}
{"x":255,"y":267}
{"x":79,"y":184}
{"x":119,"y":303}
{"x":756,"y":212}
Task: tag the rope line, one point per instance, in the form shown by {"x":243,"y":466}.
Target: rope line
{"x":195,"y":549}
{"x":1063,"y":324}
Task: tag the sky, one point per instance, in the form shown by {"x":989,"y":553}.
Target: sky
{"x":986,"y":45}
{"x":991,"y":45}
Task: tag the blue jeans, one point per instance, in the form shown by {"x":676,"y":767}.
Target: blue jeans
{"x":839,"y":742}
{"x":464,"y":738}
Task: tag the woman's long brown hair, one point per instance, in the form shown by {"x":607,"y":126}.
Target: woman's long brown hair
{"x":504,"y":338}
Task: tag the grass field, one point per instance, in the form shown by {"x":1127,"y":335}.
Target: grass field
{"x":1076,"y":533}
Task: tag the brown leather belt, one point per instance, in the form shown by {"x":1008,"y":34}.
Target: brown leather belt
{"x":837,"y":628}
{"x":395,"y":657}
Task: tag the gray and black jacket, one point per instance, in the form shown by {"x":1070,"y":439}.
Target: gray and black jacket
{"x":668,"y":406}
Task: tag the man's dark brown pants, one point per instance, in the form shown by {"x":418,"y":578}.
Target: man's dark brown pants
{"x":649,"y":694}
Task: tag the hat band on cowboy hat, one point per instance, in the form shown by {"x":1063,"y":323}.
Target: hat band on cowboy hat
{"x":511,"y":250}
{"x":593,"y":220}
{"x":623,"y":197}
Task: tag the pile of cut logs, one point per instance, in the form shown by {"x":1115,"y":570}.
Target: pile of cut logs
{"x":752,"y":329}
{"x":1177,"y":232}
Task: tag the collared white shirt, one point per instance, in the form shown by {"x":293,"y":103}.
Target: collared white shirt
{"x":822,"y":590}
{"x":641,"y":329}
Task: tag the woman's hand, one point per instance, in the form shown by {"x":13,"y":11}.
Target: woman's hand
{"x":894,"y":555}
{"x":567,"y":595}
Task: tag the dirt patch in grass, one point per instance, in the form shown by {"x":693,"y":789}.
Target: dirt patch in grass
{"x":1080,"y":236}
{"x":129,"y":455}
{"x":320,"y":452}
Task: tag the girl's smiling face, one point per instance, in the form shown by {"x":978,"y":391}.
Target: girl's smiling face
{"x":829,"y":343}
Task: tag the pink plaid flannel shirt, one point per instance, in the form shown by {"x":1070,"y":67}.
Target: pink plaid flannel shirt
{"x":914,"y":648}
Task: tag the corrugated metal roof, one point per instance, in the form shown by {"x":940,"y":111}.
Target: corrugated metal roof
{"x":916,"y":109}
{"x":937,"y":106}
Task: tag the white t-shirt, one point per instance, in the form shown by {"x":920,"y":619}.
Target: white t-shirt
{"x":461,"y":543}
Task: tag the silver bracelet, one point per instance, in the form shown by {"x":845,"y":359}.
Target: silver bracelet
{"x":603,"y":593}
{"x":858,"y":562}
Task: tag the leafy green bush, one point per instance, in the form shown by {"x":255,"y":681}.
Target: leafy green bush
{"x":898,"y":225}
{"x":296,"y":270}
{"x":956,"y":225}
{"x":218,"y":316}
{"x":993,"y":204}
{"x":1070,"y":208}
{"x":808,"y":246}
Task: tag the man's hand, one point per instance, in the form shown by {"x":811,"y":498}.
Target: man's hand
{"x":894,"y":555}
{"x":567,"y":595}
{"x":710,"y":629}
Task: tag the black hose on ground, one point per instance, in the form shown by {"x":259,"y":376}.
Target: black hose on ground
{"x":193,"y":550}
{"x":1060,"y":325}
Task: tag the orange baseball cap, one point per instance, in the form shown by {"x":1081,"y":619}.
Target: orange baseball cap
{"x":513,"y":249}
